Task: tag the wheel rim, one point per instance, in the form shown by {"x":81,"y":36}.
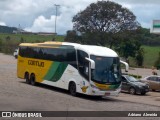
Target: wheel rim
{"x":132,"y":91}
{"x":32,"y":80}
{"x":27,"y":79}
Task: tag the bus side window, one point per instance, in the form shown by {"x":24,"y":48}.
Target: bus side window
{"x":83,"y":64}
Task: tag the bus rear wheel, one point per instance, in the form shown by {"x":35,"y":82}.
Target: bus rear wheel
{"x":72,"y":89}
{"x":33,"y":80}
{"x":27,"y":78}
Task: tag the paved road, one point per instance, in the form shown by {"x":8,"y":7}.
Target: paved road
{"x":16,"y":95}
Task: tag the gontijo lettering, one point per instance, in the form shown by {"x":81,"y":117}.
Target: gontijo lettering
{"x":36,"y":63}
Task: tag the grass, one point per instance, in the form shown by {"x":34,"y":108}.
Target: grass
{"x":9,"y":42}
{"x":150,"y":56}
{"x":151,"y":53}
{"x":31,"y":38}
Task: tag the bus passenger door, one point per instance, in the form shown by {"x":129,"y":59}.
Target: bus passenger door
{"x":83,"y":69}
{"x":83,"y":64}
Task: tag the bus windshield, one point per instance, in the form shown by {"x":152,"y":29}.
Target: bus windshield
{"x":107,"y":70}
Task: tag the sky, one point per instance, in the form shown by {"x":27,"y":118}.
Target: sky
{"x":39,"y":15}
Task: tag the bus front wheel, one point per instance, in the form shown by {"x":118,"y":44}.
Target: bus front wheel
{"x":72,"y":89}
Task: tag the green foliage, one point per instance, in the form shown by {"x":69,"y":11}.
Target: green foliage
{"x":9,"y":46}
{"x":9,"y":42}
{"x":104,"y":16}
{"x":136,"y":76}
{"x":53,"y":39}
{"x":22,"y":40}
{"x":157,"y":62}
{"x":1,"y":44}
{"x":149,"y":39}
{"x":72,"y":36}
{"x":5,"y":29}
{"x":93,"y":38}
{"x":139,"y":57}
{"x":128,"y":47}
{"x":99,"y":22}
{"x":8,"y":38}
{"x":151,"y":55}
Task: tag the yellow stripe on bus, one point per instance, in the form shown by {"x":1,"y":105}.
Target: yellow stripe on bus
{"x":37,"y":66}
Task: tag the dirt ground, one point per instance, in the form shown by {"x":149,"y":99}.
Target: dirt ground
{"x":144,"y":72}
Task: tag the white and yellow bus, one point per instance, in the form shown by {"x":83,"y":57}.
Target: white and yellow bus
{"x":86,"y":69}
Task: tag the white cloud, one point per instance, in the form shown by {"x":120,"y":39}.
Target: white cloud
{"x":64,"y":22}
{"x":139,"y":2}
{"x":2,"y":23}
{"x":42,"y":24}
{"x":64,"y":19}
{"x":39,"y":15}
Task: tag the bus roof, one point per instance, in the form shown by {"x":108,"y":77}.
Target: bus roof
{"x":94,"y":50}
{"x":98,"y":51}
{"x":90,"y":49}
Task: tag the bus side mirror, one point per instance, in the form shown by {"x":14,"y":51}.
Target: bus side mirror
{"x":126,"y":64}
{"x":92,"y":62}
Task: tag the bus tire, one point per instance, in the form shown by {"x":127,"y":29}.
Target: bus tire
{"x":16,"y":56}
{"x":27,"y":78}
{"x":72,"y":88}
{"x":33,"y":80}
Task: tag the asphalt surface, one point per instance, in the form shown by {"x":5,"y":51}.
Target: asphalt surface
{"x":16,"y":95}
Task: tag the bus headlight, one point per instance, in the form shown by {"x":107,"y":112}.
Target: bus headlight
{"x":94,"y":87}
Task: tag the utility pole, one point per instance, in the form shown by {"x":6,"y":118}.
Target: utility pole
{"x":56,"y":15}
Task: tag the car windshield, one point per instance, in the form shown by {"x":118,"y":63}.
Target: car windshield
{"x":107,"y":69}
{"x":131,"y":79}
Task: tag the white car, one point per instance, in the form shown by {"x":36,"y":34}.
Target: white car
{"x":15,"y":54}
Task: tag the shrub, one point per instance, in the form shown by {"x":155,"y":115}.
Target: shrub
{"x":136,"y":76}
{"x":157,"y":63}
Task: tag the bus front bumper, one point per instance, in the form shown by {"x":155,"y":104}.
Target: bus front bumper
{"x":98,"y":92}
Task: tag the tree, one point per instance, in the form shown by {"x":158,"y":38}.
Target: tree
{"x":139,"y":57}
{"x":54,"y":38}
{"x":22,"y":40}
{"x":128,"y":47}
{"x":157,"y":62}
{"x":1,"y":44}
{"x":8,"y":38}
{"x":6,"y":29}
{"x":104,"y":18}
{"x":72,"y":36}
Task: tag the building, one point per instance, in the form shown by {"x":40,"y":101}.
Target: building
{"x":34,"y":33}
